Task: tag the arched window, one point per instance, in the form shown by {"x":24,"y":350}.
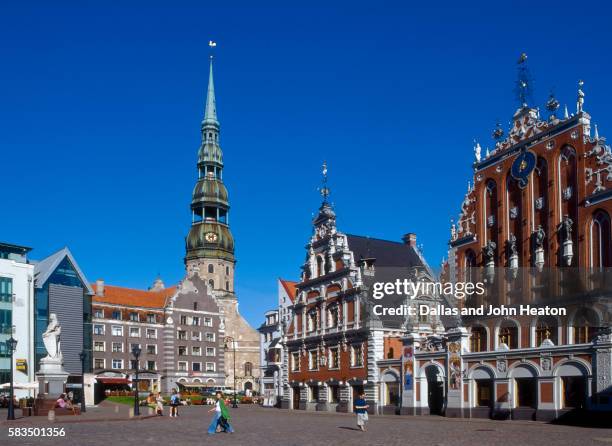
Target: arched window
{"x":546,"y":328}
{"x":390,"y":353}
{"x":567,"y":197}
{"x":211,"y":268}
{"x":227,"y":270}
{"x":601,"y":246}
{"x":478,"y":339}
{"x":585,"y":326}
{"x":508,"y":334}
{"x":227,"y":286}
{"x":211,"y":282}
{"x":248,"y":369}
{"x":490,"y":211}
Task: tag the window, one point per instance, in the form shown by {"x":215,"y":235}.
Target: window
{"x":117,"y":347}
{"x":313,"y":394}
{"x":227,"y":286}
{"x":151,"y":349}
{"x":117,"y":330}
{"x":98,"y":329}
{"x":183,"y":320}
{"x":134,"y":364}
{"x":133,"y":346}
{"x":99,"y":346}
{"x":295,"y":362}
{"x":248,"y":367}
{"x":195,"y":321}
{"x":546,"y":329}
{"x":98,"y":313}
{"x":117,"y":364}
{"x":211,"y":283}
{"x":334,"y":358}
{"x":151,"y":333}
{"x":182,"y":366}
{"x":6,"y":289}
{"x":196,"y":336}
{"x":195,"y":306}
{"x":210,"y":337}
{"x":196,"y":351}
{"x":196,"y":366}
{"x":508,"y":334}
{"x":210,"y":366}
{"x":356,"y":355}
{"x":182,"y":350}
{"x":116,"y":315}
{"x":585,"y":326}
{"x":208,"y":322}
{"x":151,"y":319}
{"x":99,"y":363}
{"x":227,"y":270}
{"x":210,"y":351}
{"x":134,"y":317}
{"x":313,"y":360}
{"x":134,"y":332}
{"x":478,"y":339}
{"x":312,"y":320}
{"x":211,"y":268}
{"x":182,"y":335}
{"x":333,"y":316}
{"x":151,"y":365}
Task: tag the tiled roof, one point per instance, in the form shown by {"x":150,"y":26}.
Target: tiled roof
{"x":131,"y":297}
{"x":289,"y":288}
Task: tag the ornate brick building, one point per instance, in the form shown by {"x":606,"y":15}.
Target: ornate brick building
{"x":535,"y":229}
{"x":334,"y":340}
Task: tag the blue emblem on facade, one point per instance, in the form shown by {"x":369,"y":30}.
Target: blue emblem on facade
{"x":522,"y":166}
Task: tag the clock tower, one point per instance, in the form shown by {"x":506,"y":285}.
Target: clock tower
{"x":210,"y":245}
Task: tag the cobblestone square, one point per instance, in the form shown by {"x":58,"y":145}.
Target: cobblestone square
{"x":260,"y":426}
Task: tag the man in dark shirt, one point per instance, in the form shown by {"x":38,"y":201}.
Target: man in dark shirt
{"x":361,"y":409}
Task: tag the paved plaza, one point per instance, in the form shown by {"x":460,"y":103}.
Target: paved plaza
{"x":258,"y":426}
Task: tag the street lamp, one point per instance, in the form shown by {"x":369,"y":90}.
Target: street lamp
{"x":136,"y":352}
{"x":11,"y":346}
{"x":83,"y":357}
{"x":229,"y":339}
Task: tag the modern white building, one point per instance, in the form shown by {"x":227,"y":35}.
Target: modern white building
{"x":17,"y":315}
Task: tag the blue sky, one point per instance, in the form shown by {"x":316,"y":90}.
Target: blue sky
{"x":101,"y":105}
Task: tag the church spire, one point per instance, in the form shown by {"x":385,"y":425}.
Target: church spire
{"x":210,"y":115}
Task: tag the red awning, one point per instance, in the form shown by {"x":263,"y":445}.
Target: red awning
{"x":104,"y":380}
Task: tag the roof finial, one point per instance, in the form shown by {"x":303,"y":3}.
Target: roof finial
{"x":596,"y":133}
{"x":523,"y":83}
{"x":580,"y":101}
{"x":565,"y":113}
{"x":324,"y":190}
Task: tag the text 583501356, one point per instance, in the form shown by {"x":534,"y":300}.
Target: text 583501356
{"x":36,"y":432}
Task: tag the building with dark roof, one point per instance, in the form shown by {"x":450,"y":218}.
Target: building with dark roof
{"x":336,"y":336}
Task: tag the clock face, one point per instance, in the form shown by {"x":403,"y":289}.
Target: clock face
{"x":522,"y":167}
{"x":211,"y":237}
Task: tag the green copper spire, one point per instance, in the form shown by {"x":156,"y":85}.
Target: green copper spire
{"x":210,"y":115}
{"x":210,"y":237}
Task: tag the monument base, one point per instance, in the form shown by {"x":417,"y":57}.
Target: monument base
{"x":51,"y":377}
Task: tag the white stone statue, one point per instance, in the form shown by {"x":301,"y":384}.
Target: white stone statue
{"x":477,"y":151}
{"x":51,"y":338}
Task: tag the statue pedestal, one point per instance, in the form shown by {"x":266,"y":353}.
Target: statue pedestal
{"x":51,"y":377}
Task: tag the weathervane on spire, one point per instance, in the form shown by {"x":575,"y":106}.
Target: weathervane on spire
{"x":324,"y":190}
{"x":523,"y":83}
{"x":212,"y":44}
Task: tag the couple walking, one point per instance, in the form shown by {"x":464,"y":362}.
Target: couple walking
{"x":221,"y":418}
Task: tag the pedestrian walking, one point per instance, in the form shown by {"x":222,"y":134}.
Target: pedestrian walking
{"x":175,"y":401}
{"x":221,"y":418}
{"x":361,"y":409}
{"x":159,"y":401}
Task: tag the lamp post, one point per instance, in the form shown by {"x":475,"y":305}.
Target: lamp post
{"x":83,"y":357}
{"x":11,"y":346}
{"x":229,"y":339}
{"x":136,"y":352}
